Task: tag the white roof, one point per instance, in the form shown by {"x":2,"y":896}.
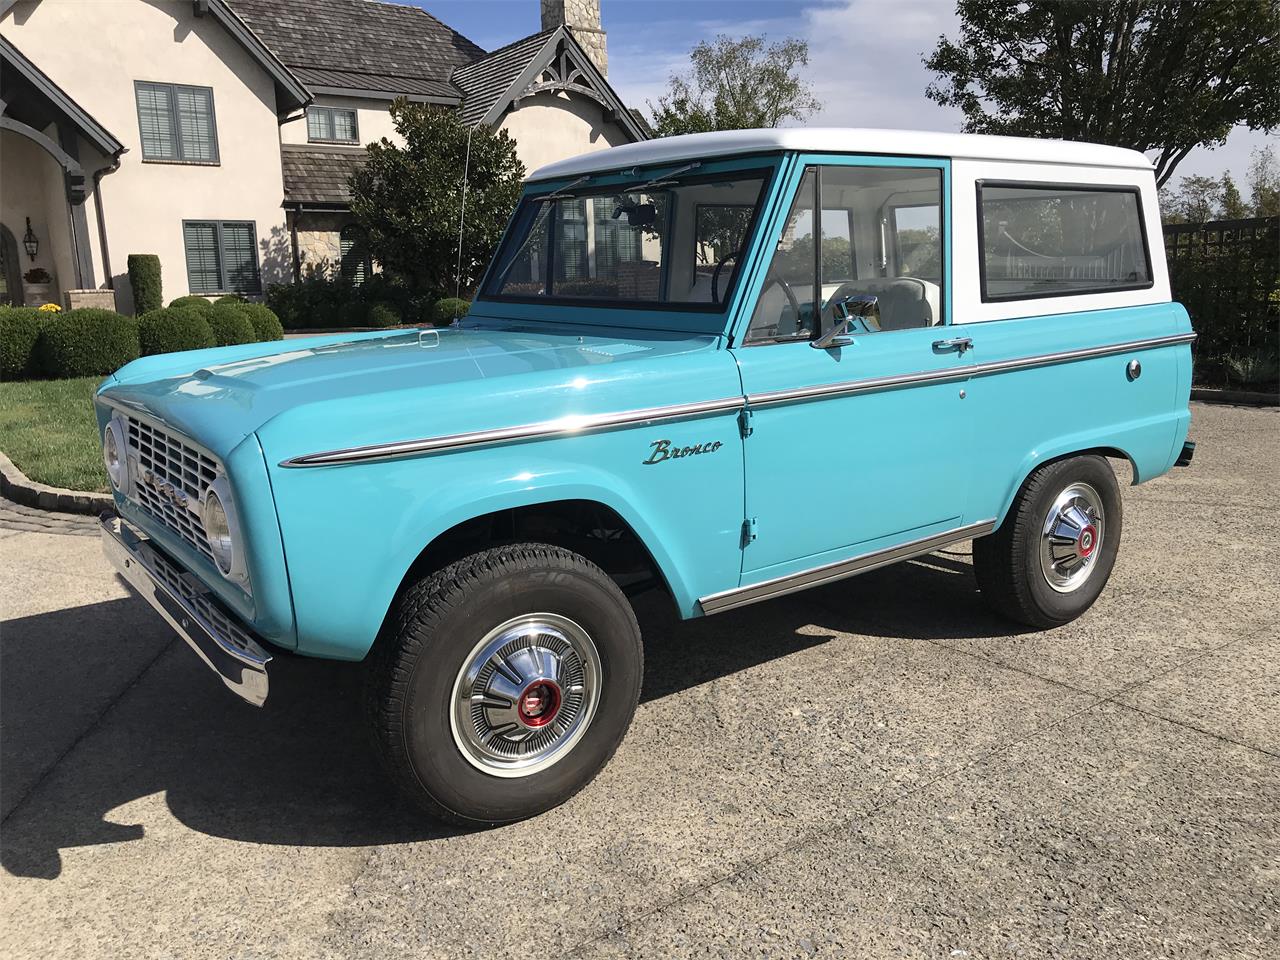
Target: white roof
{"x":910,"y":143}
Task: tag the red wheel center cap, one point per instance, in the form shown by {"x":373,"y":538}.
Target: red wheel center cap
{"x":1088,"y":540}
{"x":539,"y":703}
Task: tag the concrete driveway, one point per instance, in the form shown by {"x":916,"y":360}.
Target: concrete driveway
{"x":878,"y":768}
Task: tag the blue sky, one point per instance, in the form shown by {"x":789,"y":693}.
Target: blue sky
{"x":865,"y":54}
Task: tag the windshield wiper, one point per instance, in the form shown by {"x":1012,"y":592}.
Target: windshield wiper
{"x":557,"y":194}
{"x":664,"y":181}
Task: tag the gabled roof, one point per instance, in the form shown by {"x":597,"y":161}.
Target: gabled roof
{"x":13,"y":59}
{"x":484,"y":81}
{"x":290,"y":93}
{"x":372,"y":46}
{"x":906,"y":143}
{"x":545,"y":62}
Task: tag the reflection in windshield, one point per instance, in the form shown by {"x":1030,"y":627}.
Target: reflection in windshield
{"x":673,"y":242}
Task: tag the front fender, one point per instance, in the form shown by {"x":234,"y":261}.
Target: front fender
{"x":351,"y":532}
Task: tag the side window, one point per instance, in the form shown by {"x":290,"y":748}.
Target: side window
{"x":784,"y":310}
{"x":879,"y":235}
{"x":1053,"y":240}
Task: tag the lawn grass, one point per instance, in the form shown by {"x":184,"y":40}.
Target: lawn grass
{"x":47,"y":428}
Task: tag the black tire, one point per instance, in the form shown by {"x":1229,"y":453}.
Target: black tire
{"x":1008,"y":562}
{"x":435,"y":629}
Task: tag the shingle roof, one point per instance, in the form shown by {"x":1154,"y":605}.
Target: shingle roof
{"x":485,"y":80}
{"x":384,"y":82}
{"x":366,"y":40}
{"x":318,"y":176}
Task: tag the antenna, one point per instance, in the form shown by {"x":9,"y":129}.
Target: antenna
{"x":462,"y":217}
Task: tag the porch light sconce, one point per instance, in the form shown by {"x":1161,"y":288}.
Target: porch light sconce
{"x":30,"y":242}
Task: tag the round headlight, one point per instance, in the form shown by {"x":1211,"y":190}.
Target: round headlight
{"x":113,"y":454}
{"x":218,"y":529}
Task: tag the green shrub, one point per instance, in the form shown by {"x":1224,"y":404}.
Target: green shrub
{"x":86,"y":342}
{"x":448,"y":310}
{"x":266,"y":325}
{"x":230,"y":298}
{"x":230,"y":325}
{"x":192,"y":303}
{"x":172,"y":329}
{"x":383,"y":314}
{"x":19,"y":331}
{"x":144,"y":278}
{"x":353,"y":314}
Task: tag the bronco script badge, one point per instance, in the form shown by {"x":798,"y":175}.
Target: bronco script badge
{"x":663,"y":450}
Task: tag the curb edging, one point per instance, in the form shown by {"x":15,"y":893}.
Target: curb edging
{"x":1244,"y":398}
{"x":20,"y":488}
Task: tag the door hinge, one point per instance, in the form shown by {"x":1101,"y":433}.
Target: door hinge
{"x":744,"y":422}
{"x":748,"y":531}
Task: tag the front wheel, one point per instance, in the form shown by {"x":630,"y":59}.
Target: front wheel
{"x":1051,"y":557}
{"x":505,"y":682}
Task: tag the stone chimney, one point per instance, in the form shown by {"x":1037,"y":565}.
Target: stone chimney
{"x":583,"y":18}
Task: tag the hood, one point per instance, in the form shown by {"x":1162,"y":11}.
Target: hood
{"x":218,"y":397}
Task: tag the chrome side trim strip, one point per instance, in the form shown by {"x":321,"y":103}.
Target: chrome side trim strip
{"x":850,"y":387}
{"x":590,"y":423}
{"x":793,"y":582}
{"x":564,"y":426}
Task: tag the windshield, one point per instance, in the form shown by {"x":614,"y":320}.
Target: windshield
{"x":672,"y":242}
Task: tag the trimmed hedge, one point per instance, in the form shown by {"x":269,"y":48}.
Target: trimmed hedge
{"x":266,"y":325}
{"x":230,"y":325}
{"x":192,"y":303}
{"x":144,"y":278}
{"x":448,"y":310}
{"x":174,"y":328}
{"x":383,"y":315}
{"x":19,"y":332}
{"x":86,"y":342}
{"x":230,"y":298}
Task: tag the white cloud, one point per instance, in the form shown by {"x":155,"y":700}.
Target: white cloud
{"x":865,"y":67}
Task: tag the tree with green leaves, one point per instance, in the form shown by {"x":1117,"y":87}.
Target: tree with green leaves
{"x":1264,"y":182}
{"x":409,"y":199}
{"x":1152,"y":75}
{"x":736,"y":85}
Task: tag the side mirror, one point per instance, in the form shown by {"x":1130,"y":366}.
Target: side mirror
{"x":846,"y":310}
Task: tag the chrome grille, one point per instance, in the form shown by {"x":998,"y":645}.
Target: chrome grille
{"x":163,"y":460}
{"x":183,"y":585}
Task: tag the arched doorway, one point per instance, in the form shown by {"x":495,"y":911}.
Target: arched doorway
{"x":10,"y":269}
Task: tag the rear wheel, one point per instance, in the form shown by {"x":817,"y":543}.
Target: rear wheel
{"x":505,"y":683}
{"x":1053,"y":554}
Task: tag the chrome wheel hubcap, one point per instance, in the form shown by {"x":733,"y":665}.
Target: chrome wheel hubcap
{"x":525,"y":695}
{"x":1072,"y":537}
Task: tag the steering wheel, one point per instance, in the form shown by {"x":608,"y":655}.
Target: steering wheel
{"x":786,"y":289}
{"x":715,"y":274}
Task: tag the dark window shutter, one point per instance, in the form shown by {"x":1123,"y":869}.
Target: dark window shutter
{"x":155,"y":121}
{"x":204,"y":267}
{"x":195,"y":123}
{"x":351,"y":250}
{"x":240,"y":256}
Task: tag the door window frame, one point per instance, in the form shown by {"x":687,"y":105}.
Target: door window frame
{"x":779,"y":206}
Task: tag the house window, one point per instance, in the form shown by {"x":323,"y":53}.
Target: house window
{"x":332,"y":125}
{"x":222,"y":257}
{"x":356,"y":264}
{"x":176,"y":122}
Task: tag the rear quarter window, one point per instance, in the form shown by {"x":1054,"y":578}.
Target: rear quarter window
{"x":1053,"y":240}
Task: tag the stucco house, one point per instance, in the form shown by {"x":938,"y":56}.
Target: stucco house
{"x":219,"y":134}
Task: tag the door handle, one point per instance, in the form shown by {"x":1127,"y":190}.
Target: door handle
{"x":958,"y":344}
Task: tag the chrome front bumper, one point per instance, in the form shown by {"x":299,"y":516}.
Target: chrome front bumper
{"x":226,"y":647}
